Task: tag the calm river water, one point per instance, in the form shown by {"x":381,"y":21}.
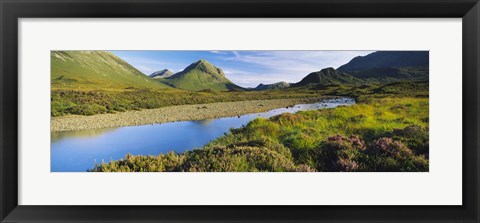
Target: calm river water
{"x":77,"y":151}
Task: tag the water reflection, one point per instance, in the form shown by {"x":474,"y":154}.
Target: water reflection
{"x":205,"y":122}
{"x":55,"y":136}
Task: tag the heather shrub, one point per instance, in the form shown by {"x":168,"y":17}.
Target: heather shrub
{"x":212,"y":159}
{"x":346,"y":165}
{"x":387,"y":154}
{"x":389,"y":147}
{"x":340,"y":153}
{"x":238,"y":159}
{"x":415,"y":137}
{"x":265,"y":143}
{"x":161,"y":163}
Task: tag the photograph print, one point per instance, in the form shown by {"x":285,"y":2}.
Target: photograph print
{"x":239,"y":111}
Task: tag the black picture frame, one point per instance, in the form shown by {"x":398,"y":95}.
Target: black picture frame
{"x":12,"y":10}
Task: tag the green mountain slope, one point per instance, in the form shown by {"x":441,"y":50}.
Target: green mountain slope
{"x":389,"y":66}
{"x":201,"y":75}
{"x":403,"y":86}
{"x":96,"y":70}
{"x":274,"y":86}
{"x":382,"y":59}
{"x":161,"y":74}
{"x":328,"y":76}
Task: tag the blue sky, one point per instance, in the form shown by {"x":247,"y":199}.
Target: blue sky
{"x":245,"y":68}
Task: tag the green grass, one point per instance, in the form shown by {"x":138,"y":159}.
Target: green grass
{"x":70,"y":102}
{"x":388,"y":133}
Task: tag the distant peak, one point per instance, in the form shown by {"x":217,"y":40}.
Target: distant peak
{"x":202,"y":61}
{"x":162,"y":73}
{"x":204,"y":66}
{"x":328,"y":69}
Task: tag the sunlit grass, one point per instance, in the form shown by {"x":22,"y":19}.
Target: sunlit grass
{"x":383,"y":134}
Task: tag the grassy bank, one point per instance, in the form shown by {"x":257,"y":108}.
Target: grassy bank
{"x":384,"y":132}
{"x":71,"y":102}
{"x":91,"y":102}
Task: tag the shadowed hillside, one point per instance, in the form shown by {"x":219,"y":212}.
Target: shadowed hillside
{"x":327,"y":76}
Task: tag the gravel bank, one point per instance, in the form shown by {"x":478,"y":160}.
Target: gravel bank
{"x":170,"y":114}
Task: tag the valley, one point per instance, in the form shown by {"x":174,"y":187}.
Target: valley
{"x":385,"y":130}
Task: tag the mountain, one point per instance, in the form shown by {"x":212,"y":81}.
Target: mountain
{"x":201,"y":75}
{"x":161,"y":74}
{"x":382,"y":59}
{"x":96,"y":70}
{"x":328,"y":76}
{"x":278,"y":85}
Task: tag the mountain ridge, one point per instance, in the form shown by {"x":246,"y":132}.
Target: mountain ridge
{"x":100,"y":70}
{"x":274,"y":86}
{"x":383,"y":59}
{"x":389,"y":66}
{"x":327,"y":76}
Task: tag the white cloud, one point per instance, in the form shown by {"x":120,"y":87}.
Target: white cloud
{"x":237,"y":55}
{"x":301,"y":61}
{"x":218,"y":52}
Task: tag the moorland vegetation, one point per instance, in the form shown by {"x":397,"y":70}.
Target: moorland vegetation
{"x":386,"y":130}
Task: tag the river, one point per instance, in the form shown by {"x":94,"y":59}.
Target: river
{"x":77,"y":151}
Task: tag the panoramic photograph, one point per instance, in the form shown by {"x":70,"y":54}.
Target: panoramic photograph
{"x":239,"y":111}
